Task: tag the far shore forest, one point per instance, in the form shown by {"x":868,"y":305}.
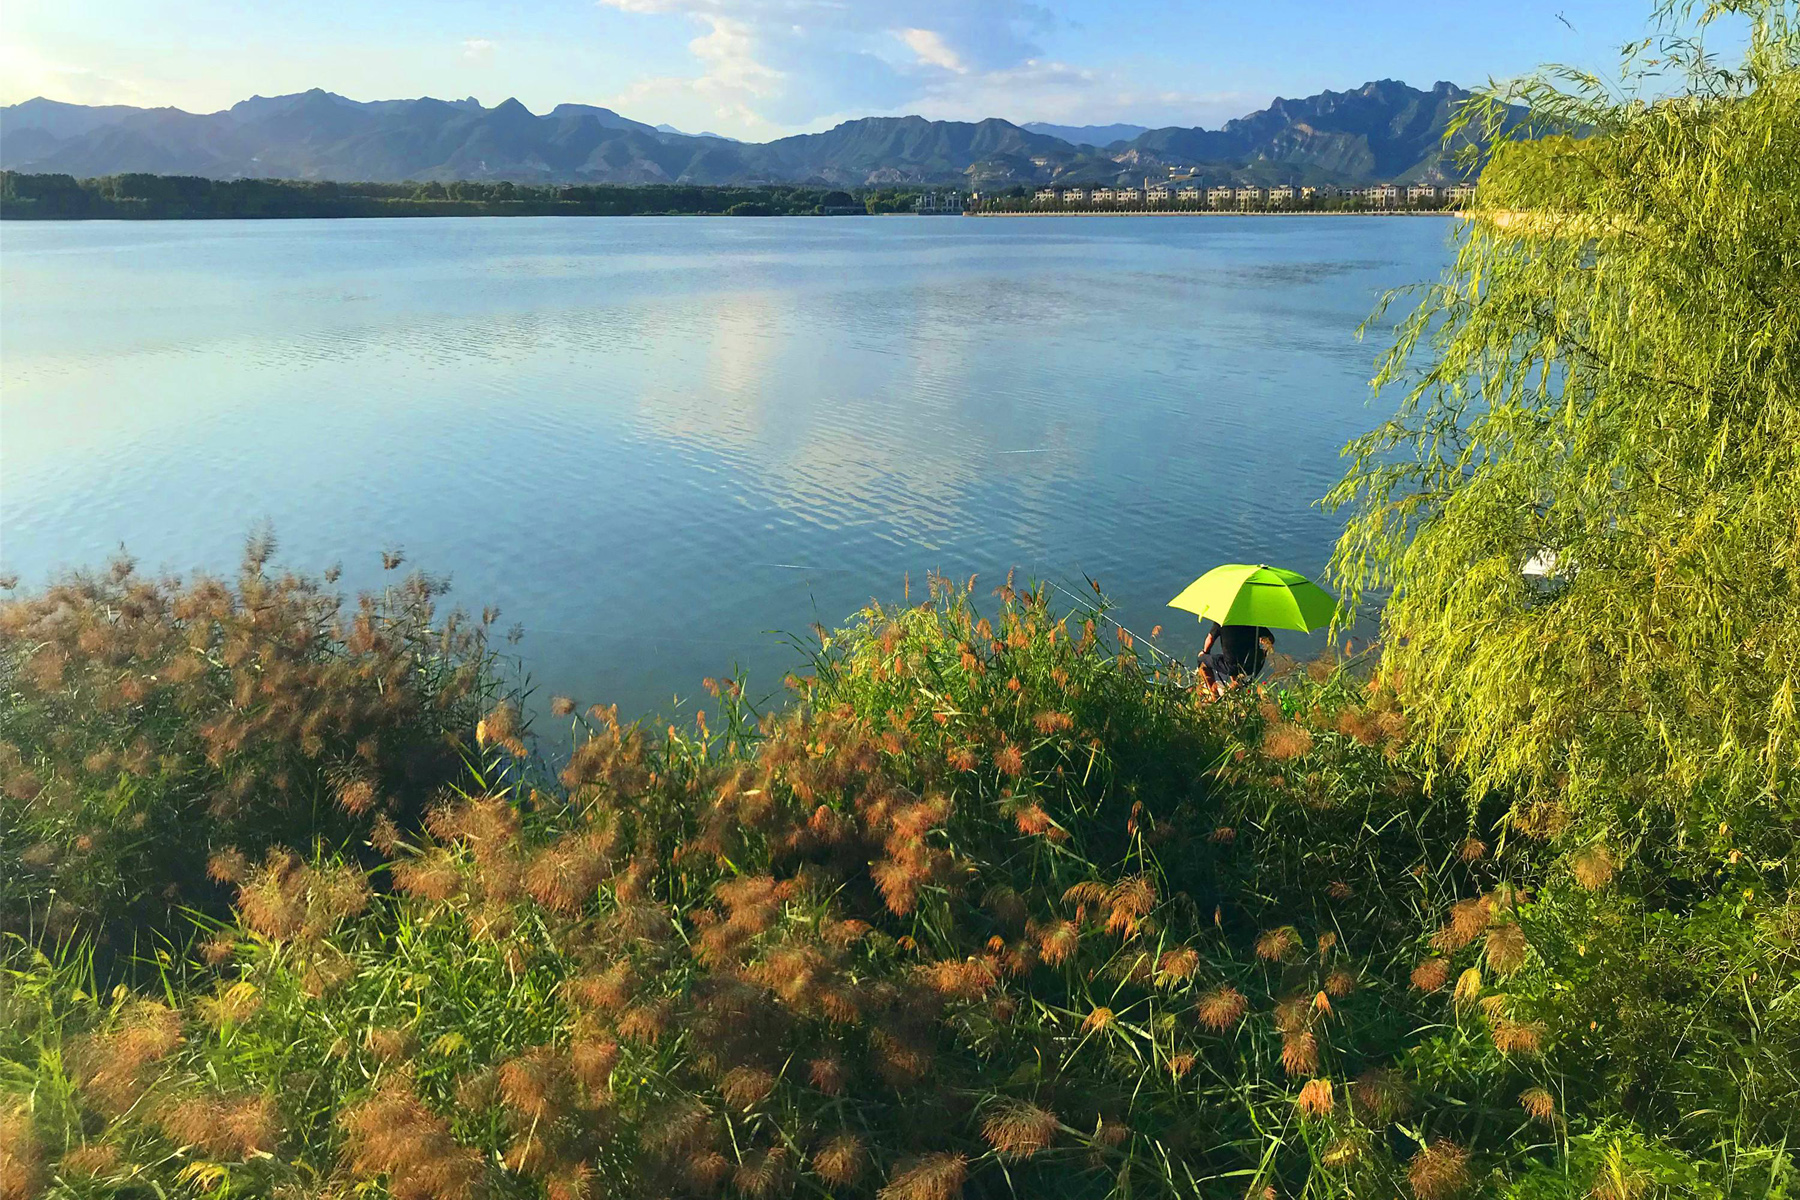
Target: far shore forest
{"x":183,"y":197}
{"x":998,"y":901}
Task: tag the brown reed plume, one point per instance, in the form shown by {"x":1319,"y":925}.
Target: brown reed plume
{"x":1127,"y":903}
{"x":232,"y":1128}
{"x":566,"y":875}
{"x":1431,"y":975}
{"x":1506,"y":947}
{"x":1019,"y":1130}
{"x":433,"y":874}
{"x":393,"y":1134}
{"x":92,"y":1161}
{"x":745,"y":1087}
{"x":536,"y":1085}
{"x":1300,"y":1052}
{"x":501,"y":727}
{"x":1521,"y":1038}
{"x":1439,"y":1171}
{"x":938,"y":1176}
{"x":841,"y":1160}
{"x":22,"y":1168}
{"x":237,"y":705}
{"x":1315,"y":1098}
{"x":762,"y":1172}
{"x":1276,"y":945}
{"x":827,"y":1074}
{"x":1221,"y":1009}
{"x":287,"y":899}
{"x":1593,"y":866}
{"x":1468,"y":920}
{"x":1380,"y":1096}
{"x":112,"y":1069}
{"x":1539,"y":1104}
{"x":1286,"y":740}
{"x":1176,"y":965}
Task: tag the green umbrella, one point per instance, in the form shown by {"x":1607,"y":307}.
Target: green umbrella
{"x":1240,"y":594}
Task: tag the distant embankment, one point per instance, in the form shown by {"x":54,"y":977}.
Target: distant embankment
{"x":1219,"y":212}
{"x":181,"y":197}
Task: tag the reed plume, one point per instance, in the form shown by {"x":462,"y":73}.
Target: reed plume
{"x":1315,"y":1098}
{"x":22,"y":1168}
{"x":1439,"y":1171}
{"x":1019,"y":1130}
{"x":1431,"y":975}
{"x":224,"y":1127}
{"x":841,"y":1160}
{"x":1221,"y":1009}
{"x":393,"y":1134}
{"x":938,"y":1176}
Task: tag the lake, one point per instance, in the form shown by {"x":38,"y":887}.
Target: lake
{"x":655,"y":443}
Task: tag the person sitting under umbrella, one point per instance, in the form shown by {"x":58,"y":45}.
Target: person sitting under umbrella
{"x":1233,"y":652}
{"x":1241,"y":602}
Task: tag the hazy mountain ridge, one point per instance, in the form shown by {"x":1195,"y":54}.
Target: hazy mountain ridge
{"x":1098,"y":136}
{"x":1382,"y":131}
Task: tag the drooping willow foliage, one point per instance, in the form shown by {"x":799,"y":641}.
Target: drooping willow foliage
{"x":1603,"y":389}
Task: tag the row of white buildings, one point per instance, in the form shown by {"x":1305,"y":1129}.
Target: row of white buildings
{"x":1381,"y":195}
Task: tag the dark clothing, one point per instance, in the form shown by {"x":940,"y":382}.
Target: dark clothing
{"x":1237,"y":651}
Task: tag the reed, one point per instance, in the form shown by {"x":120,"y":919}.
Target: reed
{"x":151,"y":723}
{"x":906,"y":936}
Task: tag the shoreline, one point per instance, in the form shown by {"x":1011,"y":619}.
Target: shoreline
{"x":1217,"y":212}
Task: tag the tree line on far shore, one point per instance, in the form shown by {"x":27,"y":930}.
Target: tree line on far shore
{"x":166,"y":197}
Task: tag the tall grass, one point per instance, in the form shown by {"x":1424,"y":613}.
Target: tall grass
{"x":148,"y":723}
{"x":994,"y":906}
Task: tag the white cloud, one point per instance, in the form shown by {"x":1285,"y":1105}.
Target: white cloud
{"x":766,"y":67}
{"x":28,"y":71}
{"x":933,"y":50}
{"x":477,"y":50}
{"x":793,"y":63}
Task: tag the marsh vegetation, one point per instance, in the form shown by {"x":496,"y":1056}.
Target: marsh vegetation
{"x":998,"y":903}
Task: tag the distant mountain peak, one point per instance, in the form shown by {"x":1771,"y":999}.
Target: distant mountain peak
{"x":1382,"y":131}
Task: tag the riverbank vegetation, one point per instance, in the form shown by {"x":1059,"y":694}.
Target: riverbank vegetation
{"x":179,"y":197}
{"x":999,"y":903}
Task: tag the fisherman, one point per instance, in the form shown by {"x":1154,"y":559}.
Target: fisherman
{"x":1232,"y":653}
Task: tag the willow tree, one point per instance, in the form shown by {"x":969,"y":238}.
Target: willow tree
{"x":1585,"y":513}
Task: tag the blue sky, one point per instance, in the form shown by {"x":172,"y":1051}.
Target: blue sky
{"x":759,"y":69}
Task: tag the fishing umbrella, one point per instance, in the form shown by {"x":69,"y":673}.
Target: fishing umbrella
{"x":1240,"y":594}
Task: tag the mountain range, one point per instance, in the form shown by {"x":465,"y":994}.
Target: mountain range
{"x":1087,"y":135}
{"x":1382,"y":131}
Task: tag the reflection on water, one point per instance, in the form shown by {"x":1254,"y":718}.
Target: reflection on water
{"x":653,"y":442}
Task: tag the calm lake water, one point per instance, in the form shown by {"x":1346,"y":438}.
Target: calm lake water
{"x":656,"y":442}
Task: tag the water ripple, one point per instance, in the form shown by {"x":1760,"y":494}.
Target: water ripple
{"x":654,"y":441}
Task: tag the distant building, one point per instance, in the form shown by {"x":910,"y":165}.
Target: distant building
{"x":1104,"y":195}
{"x":1309,"y":193}
{"x":1283,"y":194}
{"x":1424,"y":193}
{"x":1074,"y":195}
{"x":1190,"y":194}
{"x":1047,"y":196}
{"x":1128,"y":195}
{"x":1248,"y":198}
{"x":1158,"y":192}
{"x":1459,"y":194}
{"x":1220,"y":197}
{"x":1383,"y":195}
